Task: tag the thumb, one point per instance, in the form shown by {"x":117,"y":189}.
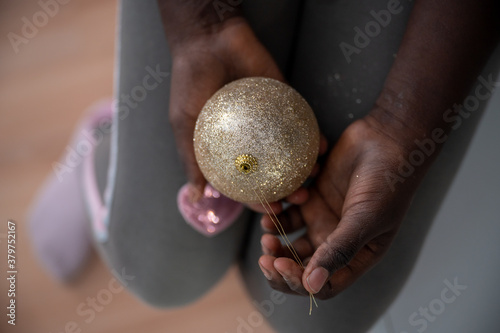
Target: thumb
{"x":334,"y":253}
{"x":183,"y":129}
{"x":187,"y":97}
{"x":183,"y":123}
{"x":197,"y":181}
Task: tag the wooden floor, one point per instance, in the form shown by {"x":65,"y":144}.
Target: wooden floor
{"x":57,"y":72}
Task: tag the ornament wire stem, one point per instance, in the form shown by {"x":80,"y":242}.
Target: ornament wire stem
{"x":283,"y":235}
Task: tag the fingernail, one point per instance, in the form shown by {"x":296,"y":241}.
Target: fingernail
{"x":266,"y":273}
{"x":317,"y":279}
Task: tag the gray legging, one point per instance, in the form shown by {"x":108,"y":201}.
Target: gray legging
{"x":173,"y":264}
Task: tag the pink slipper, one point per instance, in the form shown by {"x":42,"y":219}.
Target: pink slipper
{"x":212,"y":214}
{"x":59,"y":222}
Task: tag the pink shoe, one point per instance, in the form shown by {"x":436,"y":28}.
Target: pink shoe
{"x":59,"y":223}
{"x":212,"y":214}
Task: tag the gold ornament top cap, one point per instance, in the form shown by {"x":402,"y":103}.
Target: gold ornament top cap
{"x":246,"y":163}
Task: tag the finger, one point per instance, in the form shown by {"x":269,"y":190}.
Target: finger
{"x":273,"y":72}
{"x":301,"y":195}
{"x":298,"y":197}
{"x":262,"y":65}
{"x":315,"y":171}
{"x":275,"y":279}
{"x":271,"y":245}
{"x":333,"y":254}
{"x":188,"y":94}
{"x":301,"y":247}
{"x":291,"y":273}
{"x":196,"y":190}
{"x":320,"y":219}
{"x":346,"y":255}
{"x":362,"y":262}
{"x":185,"y":148}
{"x":290,"y":220}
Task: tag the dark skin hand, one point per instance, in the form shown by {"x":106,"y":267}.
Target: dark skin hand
{"x":349,"y":203}
{"x":352,"y":211}
{"x":205,"y":58}
{"x":207,"y":54}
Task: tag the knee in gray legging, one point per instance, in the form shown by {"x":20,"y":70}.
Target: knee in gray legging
{"x":161,"y":259}
{"x":166,"y":262}
{"x":169,"y":266}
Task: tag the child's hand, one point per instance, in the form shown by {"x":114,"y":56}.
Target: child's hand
{"x":202,"y":64}
{"x":351,"y":217}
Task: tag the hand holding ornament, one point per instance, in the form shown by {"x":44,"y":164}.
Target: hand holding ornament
{"x":349,"y":220}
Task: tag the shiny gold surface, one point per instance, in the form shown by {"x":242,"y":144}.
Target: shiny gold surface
{"x":262,"y":118}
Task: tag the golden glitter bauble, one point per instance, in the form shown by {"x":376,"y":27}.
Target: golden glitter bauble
{"x":256,"y":137}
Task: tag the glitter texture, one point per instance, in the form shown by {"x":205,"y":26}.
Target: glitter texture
{"x":266,"y":120}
